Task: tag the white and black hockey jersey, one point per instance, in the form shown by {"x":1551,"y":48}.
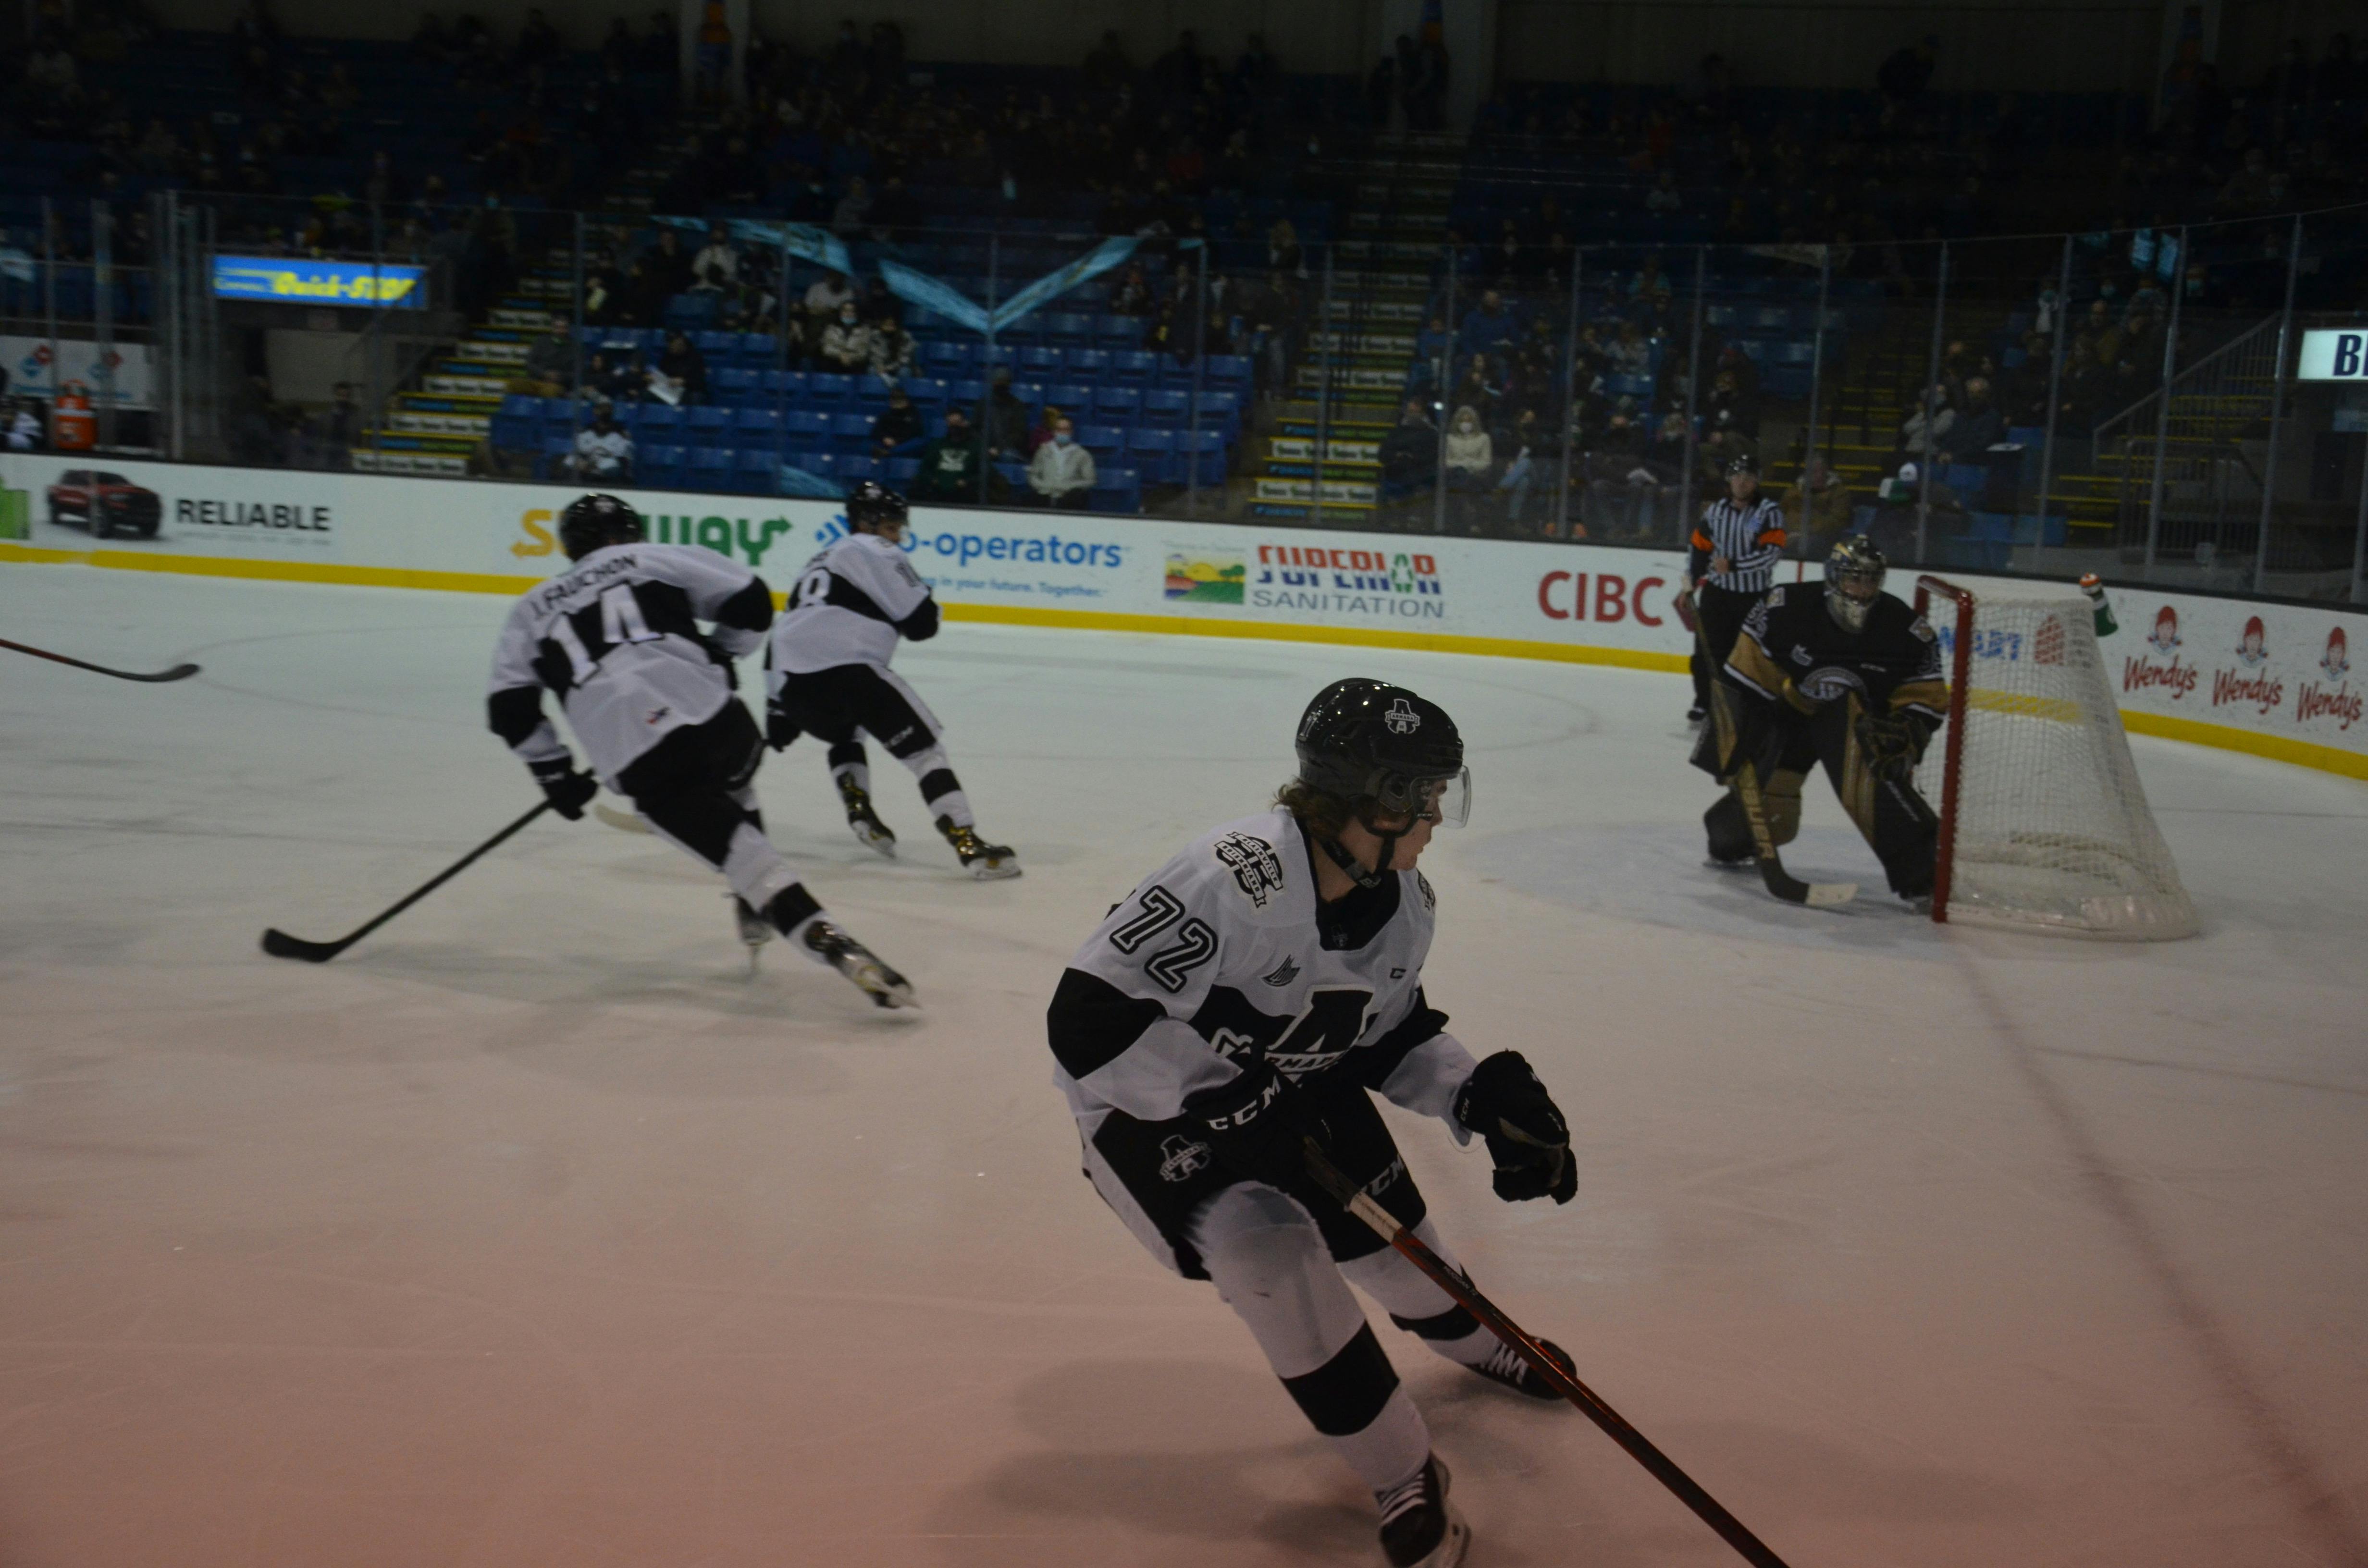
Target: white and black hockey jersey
{"x":851,"y":602}
{"x":1225,"y":953}
{"x":616,"y":636}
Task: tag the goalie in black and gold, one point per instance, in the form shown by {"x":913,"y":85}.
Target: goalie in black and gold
{"x":1838,"y":673}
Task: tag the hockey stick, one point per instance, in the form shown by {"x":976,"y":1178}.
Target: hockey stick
{"x":280,"y":944}
{"x":1467,"y":1296}
{"x":1782,"y":883}
{"x":178,"y":672}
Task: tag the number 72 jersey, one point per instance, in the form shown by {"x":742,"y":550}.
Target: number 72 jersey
{"x":1218,"y":955}
{"x":616,"y":638}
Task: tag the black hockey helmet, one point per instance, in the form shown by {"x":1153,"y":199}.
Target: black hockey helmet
{"x":591,"y":522}
{"x":1854,"y":560}
{"x":871,"y":503}
{"x":1743,"y":463}
{"x":1382,"y":749}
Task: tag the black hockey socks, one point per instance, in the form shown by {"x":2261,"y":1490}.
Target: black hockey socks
{"x":847,"y":762}
{"x":940,"y":791}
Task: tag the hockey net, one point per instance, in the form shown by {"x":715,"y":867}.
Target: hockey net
{"x":2043,"y":824}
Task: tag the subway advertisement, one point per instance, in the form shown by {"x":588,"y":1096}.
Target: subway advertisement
{"x":2276,"y":679}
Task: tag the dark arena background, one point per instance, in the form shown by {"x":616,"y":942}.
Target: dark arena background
{"x":1952,"y":1009}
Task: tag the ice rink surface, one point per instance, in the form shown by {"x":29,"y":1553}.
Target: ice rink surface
{"x":533,"y":1231}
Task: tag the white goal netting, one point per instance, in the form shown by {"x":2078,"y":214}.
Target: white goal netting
{"x":2052,"y":831}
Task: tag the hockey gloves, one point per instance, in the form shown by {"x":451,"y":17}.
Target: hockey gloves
{"x":1257,"y":1124}
{"x":567,"y":790}
{"x":1894,"y":743}
{"x":1504,"y":1102}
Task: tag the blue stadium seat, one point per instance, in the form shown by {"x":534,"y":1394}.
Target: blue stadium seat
{"x":662,"y":467}
{"x":1149,"y":448}
{"x":1088,"y":364}
{"x":704,"y":426}
{"x":1211,"y":460}
{"x":788,"y":386}
{"x":872,"y":392}
{"x":1222,"y":411}
{"x":1039,"y":363}
{"x":757,"y":351}
{"x":822,"y":388}
{"x":691,"y":313}
{"x":756,"y":427}
{"x":735,"y":386}
{"x":1105,"y":441}
{"x":1118,"y":404}
{"x":856,"y":469}
{"x":806,"y":427}
{"x":1068,"y":330}
{"x":1138,"y":366}
{"x":1230,"y":370}
{"x":967,"y":394}
{"x":1117,"y":490}
{"x":716,"y":347}
{"x":927,"y":392}
{"x":1030,"y":392}
{"x":755,"y":471}
{"x":850,"y":434}
{"x":902,"y":471}
{"x":517,"y":424}
{"x":555,"y":448}
{"x":710,"y":467}
{"x":1118,"y":332}
{"x":1071,"y":400}
{"x":658,"y":422}
{"x":1166,"y":405}
{"x":950,"y":358}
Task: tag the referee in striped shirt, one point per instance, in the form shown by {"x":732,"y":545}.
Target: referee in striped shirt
{"x":1732,"y":562}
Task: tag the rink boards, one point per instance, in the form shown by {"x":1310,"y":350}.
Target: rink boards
{"x":2274,"y":679}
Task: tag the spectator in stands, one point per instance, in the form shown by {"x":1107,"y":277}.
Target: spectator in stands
{"x":1731,"y":405}
{"x":1471,"y":456}
{"x":1665,"y":200}
{"x":1817,"y":507}
{"x":1283,"y":249}
{"x":1409,"y":453}
{"x":341,"y":427}
{"x":949,"y":465}
{"x":717,"y":266}
{"x":824,"y":296}
{"x":2254,"y":187}
{"x":550,"y":365}
{"x":898,"y":429}
{"x":1527,"y":441}
{"x":847,"y":218}
{"x":892,"y":350}
{"x":1062,"y":472}
{"x":1133,"y":296}
{"x":604,"y":453}
{"x":682,"y":371}
{"x":1922,"y":432}
{"x":669,"y":266}
{"x":1107,"y":67}
{"x":1908,"y":71}
{"x":1007,"y":420}
{"x":846,"y":343}
{"x":1970,"y":438}
{"x":22,"y":426}
{"x":1632,"y":353}
{"x":1487,"y":325}
{"x":539,"y":43}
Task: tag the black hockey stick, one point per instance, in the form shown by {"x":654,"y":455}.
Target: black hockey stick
{"x":280,"y":944}
{"x":1782,"y":883}
{"x":178,"y":672}
{"x":1465,"y":1295}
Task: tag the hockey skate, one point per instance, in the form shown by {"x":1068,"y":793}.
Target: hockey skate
{"x":858,"y":963}
{"x":982,"y":861}
{"x":755,"y":929}
{"x":1507,"y":1366}
{"x":1420,"y":1529}
{"x":863,"y":822}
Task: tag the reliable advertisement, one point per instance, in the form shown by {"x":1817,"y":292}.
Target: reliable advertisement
{"x":2275,"y":679}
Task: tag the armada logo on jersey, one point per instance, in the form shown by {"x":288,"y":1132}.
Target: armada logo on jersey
{"x":1181,"y":1159}
{"x":1402,"y":719}
{"x":1257,"y":870}
{"x":1284,"y":973}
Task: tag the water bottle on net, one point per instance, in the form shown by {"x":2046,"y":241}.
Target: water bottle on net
{"x":2100,"y":606}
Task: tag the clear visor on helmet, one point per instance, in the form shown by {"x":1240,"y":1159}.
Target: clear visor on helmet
{"x":1447,"y":802}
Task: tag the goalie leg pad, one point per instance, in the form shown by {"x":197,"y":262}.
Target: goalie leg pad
{"x":1784,"y":797}
{"x":1729,"y":831}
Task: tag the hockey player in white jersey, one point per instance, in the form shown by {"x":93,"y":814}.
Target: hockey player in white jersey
{"x":1248,"y":995}
{"x":649,"y":696}
{"x":828,"y":676}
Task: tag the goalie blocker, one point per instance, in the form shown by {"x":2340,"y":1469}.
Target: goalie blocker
{"x":1837,"y":673}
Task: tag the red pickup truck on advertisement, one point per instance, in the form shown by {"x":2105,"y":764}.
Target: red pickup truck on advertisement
{"x":104,"y":502}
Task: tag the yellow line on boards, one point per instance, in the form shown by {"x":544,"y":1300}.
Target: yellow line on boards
{"x":2281,"y":748}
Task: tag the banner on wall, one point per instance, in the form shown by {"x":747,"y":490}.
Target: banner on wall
{"x":27,"y":360}
{"x":2284,"y":673}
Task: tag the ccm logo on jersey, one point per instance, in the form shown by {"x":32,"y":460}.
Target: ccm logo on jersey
{"x":1248,"y":1113}
{"x":1257,"y":870}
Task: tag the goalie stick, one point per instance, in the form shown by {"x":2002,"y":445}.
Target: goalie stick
{"x":178,"y":672}
{"x":280,"y":944}
{"x":1466,"y":1295}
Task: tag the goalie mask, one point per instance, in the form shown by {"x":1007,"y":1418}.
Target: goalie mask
{"x":1854,"y":574}
{"x":1386,"y":753}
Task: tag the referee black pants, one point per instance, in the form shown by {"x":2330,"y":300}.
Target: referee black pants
{"x":1721,"y":612}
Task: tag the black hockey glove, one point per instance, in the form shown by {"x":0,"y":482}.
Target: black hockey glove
{"x":1257,"y":1124}
{"x":779,"y":727}
{"x":1504,"y":1102}
{"x":567,"y":790}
